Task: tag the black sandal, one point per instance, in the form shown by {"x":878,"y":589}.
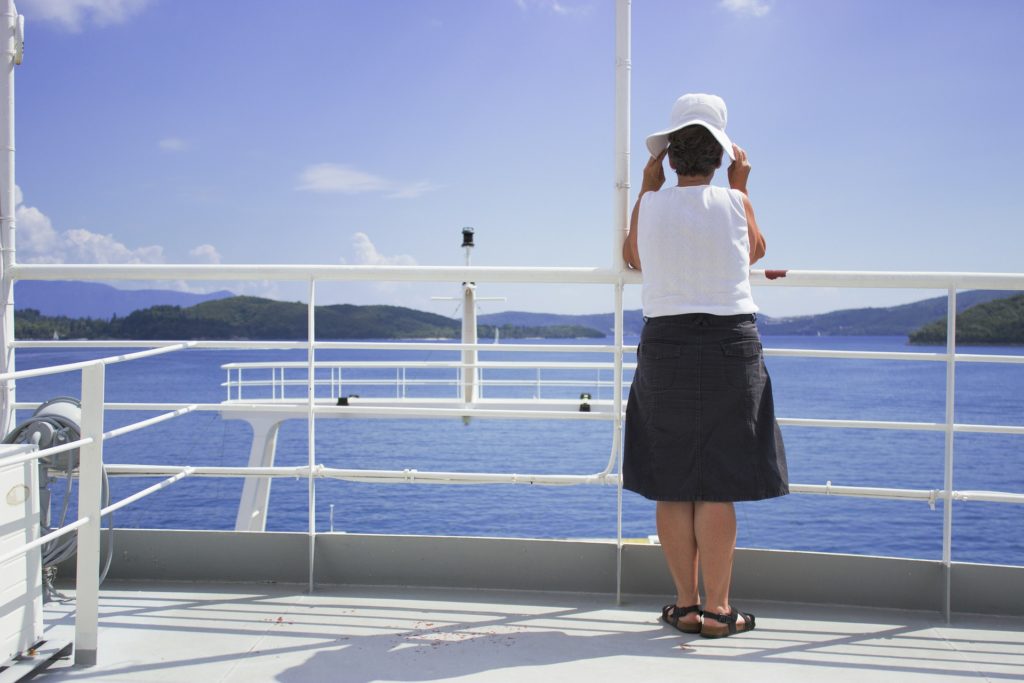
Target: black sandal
{"x":730,"y":621}
{"x":671,"y":614}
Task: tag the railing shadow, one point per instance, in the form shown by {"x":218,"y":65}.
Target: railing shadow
{"x":367,"y":635}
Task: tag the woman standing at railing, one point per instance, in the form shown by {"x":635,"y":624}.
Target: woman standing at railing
{"x":700,"y":422}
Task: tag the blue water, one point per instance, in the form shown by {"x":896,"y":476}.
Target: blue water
{"x":882,"y":390}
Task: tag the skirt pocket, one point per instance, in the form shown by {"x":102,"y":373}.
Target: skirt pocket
{"x":657,"y":365}
{"x":742,"y":363}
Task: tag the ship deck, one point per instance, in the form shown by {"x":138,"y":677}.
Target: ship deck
{"x":177,"y":631}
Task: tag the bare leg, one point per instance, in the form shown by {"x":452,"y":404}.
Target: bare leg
{"x":715,"y":529}
{"x":678,"y":542}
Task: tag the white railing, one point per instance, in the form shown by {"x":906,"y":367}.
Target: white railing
{"x":94,"y":404}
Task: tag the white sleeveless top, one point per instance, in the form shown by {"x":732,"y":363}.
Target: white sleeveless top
{"x":694,"y":251}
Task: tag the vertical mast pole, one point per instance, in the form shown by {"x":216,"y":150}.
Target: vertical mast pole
{"x":619,"y":227}
{"x":623,"y":66}
{"x":11,"y":27}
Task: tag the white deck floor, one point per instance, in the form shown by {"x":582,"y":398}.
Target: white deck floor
{"x":225,"y":632}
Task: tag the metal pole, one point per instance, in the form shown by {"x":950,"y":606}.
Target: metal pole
{"x":623,"y":66}
{"x":620,"y":226}
{"x":11,"y":28}
{"x":311,"y":422}
{"x":87,"y":583}
{"x":617,"y":440}
{"x":947,"y":498}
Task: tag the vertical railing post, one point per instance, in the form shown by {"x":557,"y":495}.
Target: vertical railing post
{"x":311,"y":422}
{"x":617,"y":438}
{"x":87,"y":583}
{"x":11,"y":41}
{"x":947,"y":497}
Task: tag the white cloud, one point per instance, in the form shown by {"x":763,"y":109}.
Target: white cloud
{"x":205,"y":253}
{"x":413,"y":190}
{"x":74,"y":15}
{"x":340,"y":178}
{"x":343,"y":179}
{"x":555,"y":6}
{"x":172,"y":144}
{"x":39,"y":242}
{"x":367,"y":254}
{"x":83,"y":246}
{"x":748,"y":8}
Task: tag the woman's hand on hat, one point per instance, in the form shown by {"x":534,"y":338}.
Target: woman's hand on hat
{"x":654,"y":173}
{"x":739,"y":170}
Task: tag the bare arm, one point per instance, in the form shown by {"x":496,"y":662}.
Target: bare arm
{"x":654,"y":178}
{"x":739,"y":172}
{"x":757,"y":243}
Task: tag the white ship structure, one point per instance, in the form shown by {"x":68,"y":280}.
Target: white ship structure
{"x":250,"y":604}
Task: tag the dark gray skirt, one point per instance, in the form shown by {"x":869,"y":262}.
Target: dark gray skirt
{"x":700,"y":421}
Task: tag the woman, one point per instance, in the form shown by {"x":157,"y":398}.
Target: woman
{"x":700,"y":421}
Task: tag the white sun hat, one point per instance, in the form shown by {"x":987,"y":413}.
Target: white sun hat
{"x":694,"y":109}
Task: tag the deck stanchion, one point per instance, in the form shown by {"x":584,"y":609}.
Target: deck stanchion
{"x":617,"y":440}
{"x":87,"y":582}
{"x":311,"y":422}
{"x":947,"y":496}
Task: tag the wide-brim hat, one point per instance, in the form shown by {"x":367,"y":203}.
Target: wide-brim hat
{"x":694,"y":109}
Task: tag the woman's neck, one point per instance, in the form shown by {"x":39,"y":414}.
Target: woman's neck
{"x":693,"y":180}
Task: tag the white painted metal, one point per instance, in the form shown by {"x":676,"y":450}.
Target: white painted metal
{"x":21,"y":604}
{"x":615,"y":458}
{"x":135,"y":426}
{"x":623,"y":67}
{"x":41,"y":541}
{"x":124,"y":502}
{"x":415,"y":476}
{"x":110,"y":360}
{"x":423,"y":364}
{"x":478,"y":274}
{"x":862,"y":424}
{"x":947,"y":505}
{"x":252,"y":506}
{"x":864,"y":355}
{"x":302,"y":273}
{"x":152,"y":344}
{"x":311,"y":424}
{"x":89,"y":484}
{"x":8,"y":222}
{"x":17,"y":460}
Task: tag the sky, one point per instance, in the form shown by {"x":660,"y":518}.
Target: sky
{"x":883,"y":135}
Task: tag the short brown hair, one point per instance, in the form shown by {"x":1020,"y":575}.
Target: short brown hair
{"x":693,"y":150}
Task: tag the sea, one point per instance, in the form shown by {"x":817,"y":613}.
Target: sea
{"x":986,"y":393}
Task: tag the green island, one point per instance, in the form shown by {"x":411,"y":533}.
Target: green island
{"x":247,"y":317}
{"x":996,"y":322}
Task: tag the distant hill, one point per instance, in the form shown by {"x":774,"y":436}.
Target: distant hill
{"x":894,"y":320}
{"x":96,"y":300}
{"x":995,"y":322}
{"x":223,"y":315}
{"x":246,"y":317}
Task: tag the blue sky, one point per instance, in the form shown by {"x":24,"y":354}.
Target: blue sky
{"x":883,"y":135}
